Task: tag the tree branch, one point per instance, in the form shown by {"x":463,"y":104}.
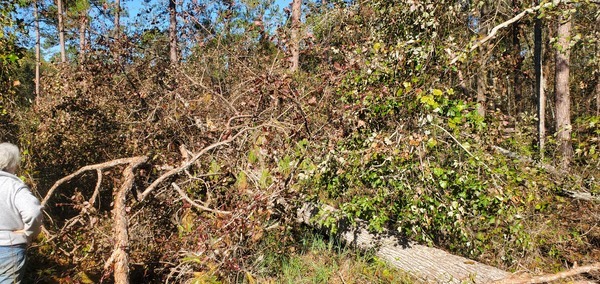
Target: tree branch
{"x":188,"y":163}
{"x":101,"y":166}
{"x":516,"y":18}
{"x":551,"y":277}
{"x":193,"y":203}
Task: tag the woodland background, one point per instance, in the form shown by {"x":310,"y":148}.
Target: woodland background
{"x":467,"y":125}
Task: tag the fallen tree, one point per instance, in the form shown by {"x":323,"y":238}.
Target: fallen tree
{"x":119,"y":259}
{"x":118,"y":262}
{"x":425,"y":263}
{"x":431,"y":265}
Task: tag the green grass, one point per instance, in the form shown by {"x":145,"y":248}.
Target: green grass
{"x":322,"y":261}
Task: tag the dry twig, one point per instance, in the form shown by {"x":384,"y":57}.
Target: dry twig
{"x":514,"y":19}
{"x":188,"y":163}
{"x":551,"y":277}
{"x":195,"y":204}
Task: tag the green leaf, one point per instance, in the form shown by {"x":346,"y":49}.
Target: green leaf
{"x":12,"y":58}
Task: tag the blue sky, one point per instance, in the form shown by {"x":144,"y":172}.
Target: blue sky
{"x":133,"y":8}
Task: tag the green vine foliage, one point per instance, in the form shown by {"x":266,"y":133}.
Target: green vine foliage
{"x":410,"y":153}
{"x":430,"y":181}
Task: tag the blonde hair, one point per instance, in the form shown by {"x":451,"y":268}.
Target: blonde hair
{"x":9,"y":157}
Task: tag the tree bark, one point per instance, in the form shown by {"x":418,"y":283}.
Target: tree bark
{"x":61,"y":31}
{"x":539,"y":88}
{"x":117,"y":17}
{"x":597,"y":94}
{"x":37,"y":48}
{"x":562,"y":94}
{"x":518,"y":61}
{"x":119,"y":259}
{"x":295,"y":35}
{"x":509,"y":22}
{"x":173,"y":31}
{"x":481,"y":89}
{"x":121,"y":254}
{"x":83,"y":19}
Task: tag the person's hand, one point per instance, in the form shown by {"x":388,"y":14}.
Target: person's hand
{"x":19,"y":231}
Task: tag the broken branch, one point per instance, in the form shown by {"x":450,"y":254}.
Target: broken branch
{"x":514,"y":19}
{"x":101,"y":166}
{"x":551,"y":277}
{"x":195,"y":204}
{"x":188,"y":163}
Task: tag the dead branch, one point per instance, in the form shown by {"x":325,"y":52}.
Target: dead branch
{"x":101,"y":166}
{"x":211,"y":91}
{"x":516,"y":18}
{"x":188,"y":163}
{"x":121,"y":255}
{"x":119,"y":258}
{"x":96,"y":189}
{"x":549,"y":168}
{"x":195,"y":204}
{"x":552,"y":170}
{"x":551,"y":277}
{"x":580,"y":195}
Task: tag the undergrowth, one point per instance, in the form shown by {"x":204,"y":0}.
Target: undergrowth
{"x":322,"y":260}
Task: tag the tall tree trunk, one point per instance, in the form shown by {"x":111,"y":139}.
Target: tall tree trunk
{"x":563,"y":98}
{"x":37,"y":48}
{"x":597,"y":73}
{"x":295,"y":35}
{"x":116,"y":48}
{"x":117,"y":17}
{"x":482,"y":82}
{"x":597,"y":94}
{"x":61,"y":31}
{"x":83,"y":18}
{"x":518,"y":60}
{"x":173,"y":31}
{"x":539,"y":88}
{"x":481,"y":89}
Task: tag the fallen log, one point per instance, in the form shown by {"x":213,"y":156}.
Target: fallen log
{"x":428,"y":264}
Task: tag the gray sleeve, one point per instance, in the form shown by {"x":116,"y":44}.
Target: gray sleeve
{"x":31,"y":212}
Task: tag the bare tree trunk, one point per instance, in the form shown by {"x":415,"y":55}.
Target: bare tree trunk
{"x":563,"y":98}
{"x":117,"y":17}
{"x":481,"y":88}
{"x":61,"y":31}
{"x":539,"y":88}
{"x":82,"y":42}
{"x":295,"y":35}
{"x":597,"y":83}
{"x":116,"y":48}
{"x":482,"y":83}
{"x":121,"y":257}
{"x":518,"y":62}
{"x":37,"y":48}
{"x":597,"y":94}
{"x":173,"y":31}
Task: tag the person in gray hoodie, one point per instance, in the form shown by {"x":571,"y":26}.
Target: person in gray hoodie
{"x":20,"y":216}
